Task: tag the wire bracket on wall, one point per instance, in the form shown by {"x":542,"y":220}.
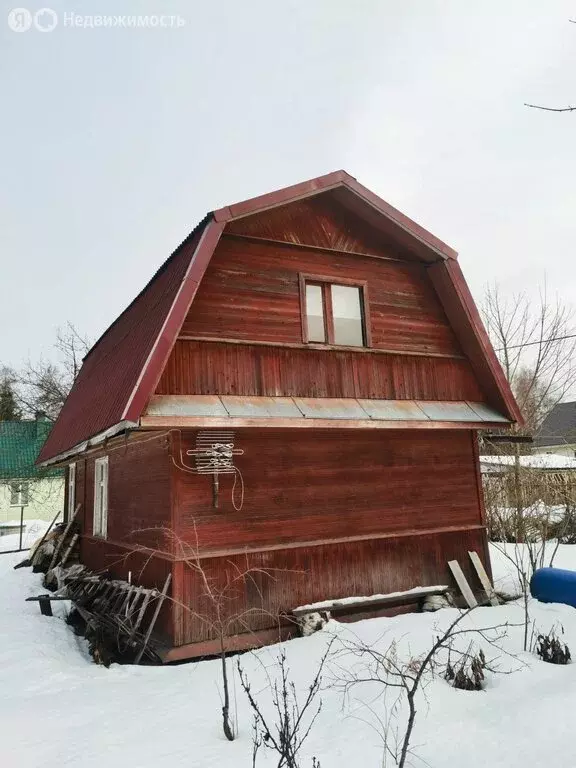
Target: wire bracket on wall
{"x":214,"y":455}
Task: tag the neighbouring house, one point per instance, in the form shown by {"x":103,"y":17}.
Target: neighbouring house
{"x":558,"y":431}
{"x":296,"y":391}
{"x":25,"y":489}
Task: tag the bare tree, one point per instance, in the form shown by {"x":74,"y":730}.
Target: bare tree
{"x":43,"y":385}
{"x":536,"y":344}
{"x":553,"y":109}
{"x":9,"y":409}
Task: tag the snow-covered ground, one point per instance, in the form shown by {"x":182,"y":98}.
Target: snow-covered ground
{"x":33,"y":530}
{"x":532,"y":461}
{"x":57,"y":709}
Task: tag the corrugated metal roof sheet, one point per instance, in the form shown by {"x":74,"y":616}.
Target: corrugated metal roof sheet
{"x":349,"y":409}
{"x":20,"y":442}
{"x":113,"y":365}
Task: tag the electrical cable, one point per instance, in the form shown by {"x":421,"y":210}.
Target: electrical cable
{"x":237,"y":474}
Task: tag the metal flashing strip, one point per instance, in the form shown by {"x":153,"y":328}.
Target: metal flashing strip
{"x":186,"y":405}
{"x":330,"y":408}
{"x":393,"y":410}
{"x":318,"y":408}
{"x":449,"y":411}
{"x":486,"y":413}
{"x":261,"y":407}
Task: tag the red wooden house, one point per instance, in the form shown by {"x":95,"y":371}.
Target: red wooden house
{"x":335,"y":344}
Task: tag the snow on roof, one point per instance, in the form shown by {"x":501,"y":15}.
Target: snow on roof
{"x":536,"y":461}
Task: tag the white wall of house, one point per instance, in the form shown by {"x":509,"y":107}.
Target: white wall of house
{"x":560,"y":450}
{"x":45,"y":498}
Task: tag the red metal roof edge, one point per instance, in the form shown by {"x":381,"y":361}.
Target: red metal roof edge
{"x":324,"y":183}
{"x":166,"y":339}
{"x":156,"y":274}
{"x":453,"y":272}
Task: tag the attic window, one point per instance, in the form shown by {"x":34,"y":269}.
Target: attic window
{"x":334,"y":313}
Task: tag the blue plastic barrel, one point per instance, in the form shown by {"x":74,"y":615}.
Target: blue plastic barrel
{"x":554,"y":585}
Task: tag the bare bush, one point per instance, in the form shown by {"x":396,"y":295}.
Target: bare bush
{"x":408,"y":678}
{"x":218,"y":603}
{"x":551,"y":649}
{"x":286,"y":731}
{"x":467,"y":673}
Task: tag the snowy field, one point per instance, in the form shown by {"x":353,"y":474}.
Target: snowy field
{"x":33,"y":530}
{"x":57,"y":709}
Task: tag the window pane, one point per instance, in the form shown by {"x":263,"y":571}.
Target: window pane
{"x":14,"y":493}
{"x":315,"y":313}
{"x":24,"y":494}
{"x":347,"y":311}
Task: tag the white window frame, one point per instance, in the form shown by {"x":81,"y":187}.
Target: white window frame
{"x":22,"y":496}
{"x":100,"y":522}
{"x":71,"y":490}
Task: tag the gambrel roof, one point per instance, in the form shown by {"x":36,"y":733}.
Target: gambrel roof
{"x":121,"y":371}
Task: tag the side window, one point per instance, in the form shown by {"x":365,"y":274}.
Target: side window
{"x":19,"y":494}
{"x":71,"y":490}
{"x":100,"y":526}
{"x":334,"y":313}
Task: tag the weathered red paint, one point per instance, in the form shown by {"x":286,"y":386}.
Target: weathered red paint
{"x":328,"y":512}
{"x":173,"y":323}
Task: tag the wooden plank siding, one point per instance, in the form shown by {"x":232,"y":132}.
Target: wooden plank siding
{"x":139,"y":494}
{"x":139,"y":515}
{"x":251,"y":292}
{"x":327,"y":485}
{"x":292,"y":577}
{"x":322,"y":222}
{"x":331,"y":515}
{"x":211,"y":368}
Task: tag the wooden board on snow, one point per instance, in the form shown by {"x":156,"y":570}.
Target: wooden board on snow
{"x":462,"y":582}
{"x":483,"y":576}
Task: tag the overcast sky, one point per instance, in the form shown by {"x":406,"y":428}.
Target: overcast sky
{"x":115,"y":142}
